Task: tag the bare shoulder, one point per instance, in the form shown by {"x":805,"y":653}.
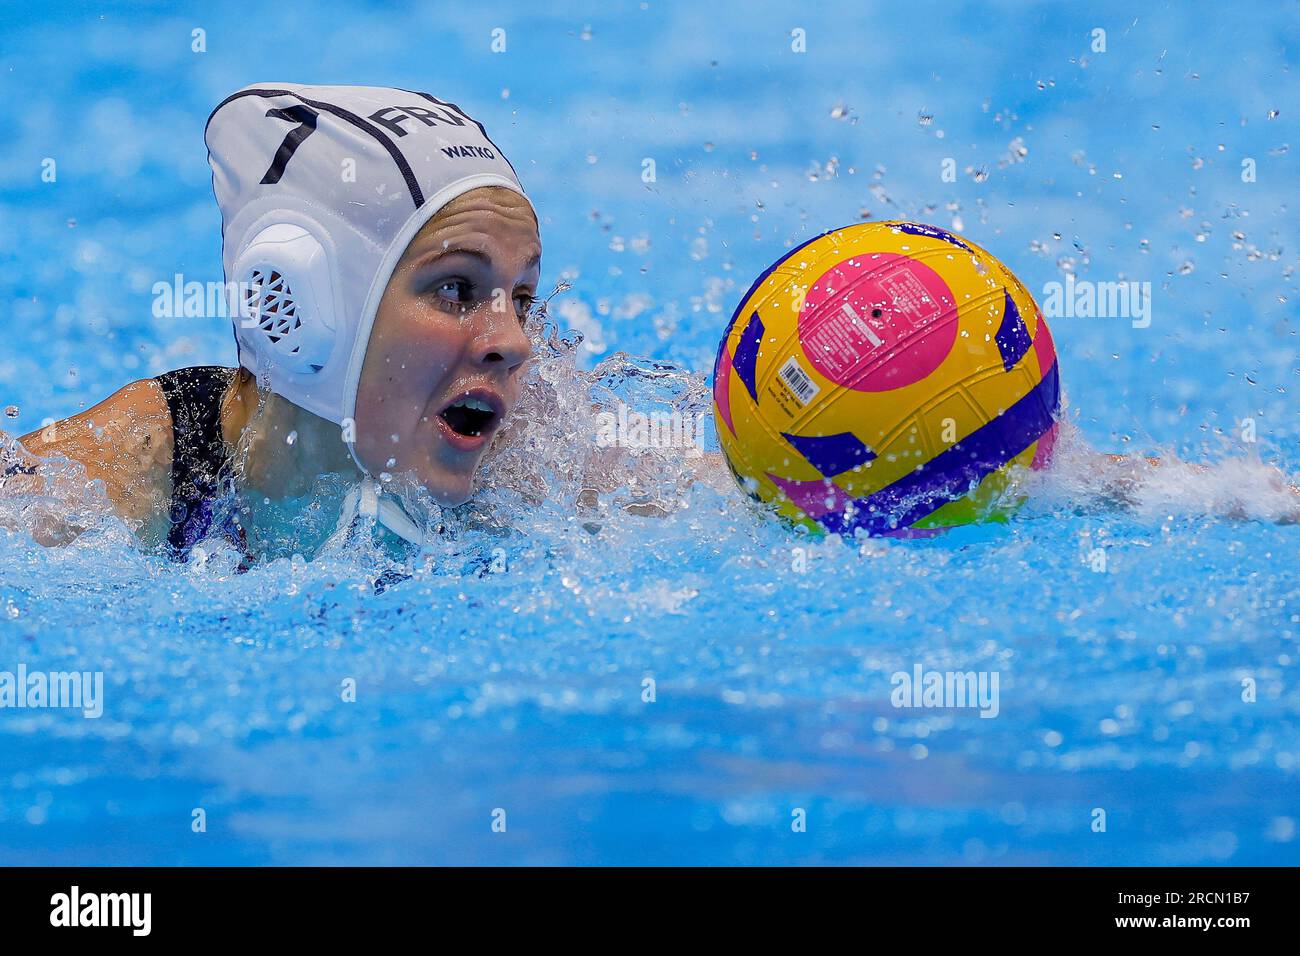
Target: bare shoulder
{"x":125,"y":441}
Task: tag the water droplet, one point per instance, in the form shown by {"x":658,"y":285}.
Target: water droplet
{"x":11,"y":411}
{"x":291,"y":438}
{"x":390,"y":463}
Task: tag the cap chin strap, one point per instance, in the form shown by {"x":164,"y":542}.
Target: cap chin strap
{"x":368,"y":499}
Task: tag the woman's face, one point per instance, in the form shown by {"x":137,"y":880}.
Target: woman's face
{"x":446,"y":353}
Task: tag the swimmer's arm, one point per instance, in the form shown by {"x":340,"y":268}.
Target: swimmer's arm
{"x":606,"y":469}
{"x":125,"y":442}
{"x":1123,"y":477}
{"x":712,"y":469}
{"x":1118,"y":480}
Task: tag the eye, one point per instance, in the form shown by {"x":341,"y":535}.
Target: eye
{"x":455,"y":290}
{"x":523,"y":302}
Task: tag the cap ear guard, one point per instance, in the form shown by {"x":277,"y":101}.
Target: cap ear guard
{"x":285,"y":303}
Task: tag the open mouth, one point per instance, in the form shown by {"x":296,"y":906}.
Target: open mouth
{"x":471,"y":416}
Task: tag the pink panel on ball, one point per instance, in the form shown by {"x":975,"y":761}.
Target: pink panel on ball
{"x":1044,"y":348}
{"x":811,"y":496}
{"x":721,"y":388}
{"x":1043,"y":451}
{"x":875,"y":323}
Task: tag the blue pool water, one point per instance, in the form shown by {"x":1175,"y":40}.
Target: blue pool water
{"x":508,"y":672}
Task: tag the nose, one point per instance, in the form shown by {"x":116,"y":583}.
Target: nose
{"x":501,"y":344}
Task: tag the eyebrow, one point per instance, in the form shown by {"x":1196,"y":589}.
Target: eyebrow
{"x":429,"y":258}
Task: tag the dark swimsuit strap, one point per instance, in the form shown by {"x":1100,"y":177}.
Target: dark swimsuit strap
{"x":202,"y":473}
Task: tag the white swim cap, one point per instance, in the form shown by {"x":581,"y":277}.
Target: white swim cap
{"x":321,"y":188}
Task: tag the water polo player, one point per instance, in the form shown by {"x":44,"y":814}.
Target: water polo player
{"x":384,"y":256}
